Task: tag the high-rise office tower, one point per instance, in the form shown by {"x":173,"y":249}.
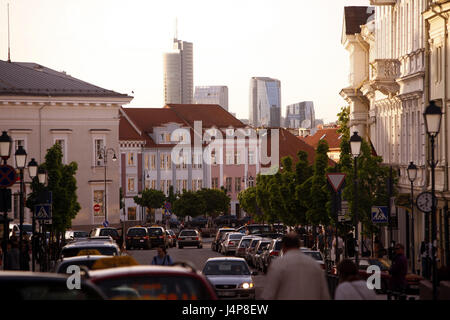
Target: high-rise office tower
{"x":212,"y":95}
{"x":265,"y":102}
{"x":179,"y":73}
{"x":300,"y":115}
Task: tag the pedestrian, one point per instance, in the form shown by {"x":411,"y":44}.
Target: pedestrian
{"x":12,"y":257}
{"x":340,"y":249}
{"x":162,"y":258}
{"x":425,"y":256}
{"x":25,"y":256}
{"x":399,"y":269}
{"x":295,"y":276}
{"x":351,"y":286}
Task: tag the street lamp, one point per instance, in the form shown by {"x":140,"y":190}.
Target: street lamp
{"x":5,"y":146}
{"x":355,"y":145}
{"x":32,"y":168}
{"x":42,"y":175}
{"x":412,"y":175}
{"x":21,"y":158}
{"x":103,"y":155}
{"x":432,"y":117}
{"x":5,"y":152}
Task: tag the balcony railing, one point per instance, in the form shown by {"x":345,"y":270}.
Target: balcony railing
{"x":385,"y":70}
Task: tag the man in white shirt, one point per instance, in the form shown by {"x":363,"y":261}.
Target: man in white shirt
{"x":295,"y":276}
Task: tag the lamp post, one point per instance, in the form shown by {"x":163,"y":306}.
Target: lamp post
{"x":355,"y":145}
{"x":412,"y":175}
{"x":432,"y":117}
{"x":103,"y":155}
{"x":21,"y":158}
{"x":5,"y":152}
{"x":32,"y":171}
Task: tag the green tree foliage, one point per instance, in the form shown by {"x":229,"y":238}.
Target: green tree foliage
{"x":189,"y":204}
{"x":217,"y":201}
{"x":247,"y":200}
{"x":151,"y":199}
{"x":63,"y":185}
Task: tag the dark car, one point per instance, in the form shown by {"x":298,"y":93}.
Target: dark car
{"x":157,"y":237}
{"x":137,"y":237}
{"x":23,"y":285}
{"x":252,"y":229}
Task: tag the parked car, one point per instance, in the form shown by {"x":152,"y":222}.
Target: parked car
{"x":243,"y":245}
{"x":158,"y":237}
{"x":259,"y":249}
{"x":173,"y":236}
{"x":315,"y":254}
{"x":214,"y":243}
{"x":153,"y":282}
{"x":230,"y":242}
{"x":86,"y":261}
{"x":26,"y":285}
{"x":189,"y":237}
{"x":251,"y":229}
{"x":231,"y":277}
{"x":112,"y":232}
{"x":103,"y":247}
{"x":251,"y":249}
{"x":272,"y":252}
{"x":137,"y":237}
{"x":221,"y":241}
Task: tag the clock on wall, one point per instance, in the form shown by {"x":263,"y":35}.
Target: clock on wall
{"x":424,"y":201}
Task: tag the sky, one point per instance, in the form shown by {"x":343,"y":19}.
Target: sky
{"x":119,"y":45}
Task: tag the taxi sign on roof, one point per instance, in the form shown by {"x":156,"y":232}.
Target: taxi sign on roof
{"x":89,"y":252}
{"x":114,"y":262}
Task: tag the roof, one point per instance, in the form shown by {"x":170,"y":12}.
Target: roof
{"x":32,"y":79}
{"x":330,"y":135}
{"x":355,"y":17}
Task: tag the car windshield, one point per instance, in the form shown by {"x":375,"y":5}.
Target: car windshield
{"x":109,"y":232}
{"x":80,"y":234}
{"x":104,"y":250}
{"x":314,"y":255}
{"x":137,"y":232}
{"x":244,"y":243}
{"x":188,"y":233}
{"x":236,"y":236}
{"x":154,"y":288}
{"x":226,"y":268}
{"x":155,"y":231}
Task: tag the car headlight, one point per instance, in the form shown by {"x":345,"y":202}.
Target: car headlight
{"x":246,"y":285}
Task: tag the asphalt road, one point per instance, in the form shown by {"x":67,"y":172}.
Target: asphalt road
{"x":193,"y":255}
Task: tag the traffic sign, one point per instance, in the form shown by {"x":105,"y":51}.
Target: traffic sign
{"x":336,"y":180}
{"x":105,"y":223}
{"x":43,"y":211}
{"x":380,"y":215}
{"x":8,"y":176}
{"x":96,"y":207}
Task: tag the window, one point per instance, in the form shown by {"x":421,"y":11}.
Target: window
{"x":200,"y":184}
{"x":62,"y":143}
{"x":153,"y":184}
{"x":167,"y":137}
{"x":237,"y":157}
{"x":199,"y":161}
{"x":131,"y":184}
{"x":229,"y":157}
{"x":237,"y":184}
{"x":147,"y":162}
{"x":229,"y":182}
{"x":132,"y":213}
{"x":153,"y":158}
{"x":147,"y":184}
{"x":213,"y":157}
{"x":251,"y":157}
{"x":162,"y":161}
{"x":178,"y":185}
{"x":215,"y":183}
{"x":99,"y":198}
{"x":99,"y":144}
{"x":131,"y":159}
{"x":162,"y":185}
{"x":194,"y":185}
{"x":185,"y":184}
{"x":169,"y":161}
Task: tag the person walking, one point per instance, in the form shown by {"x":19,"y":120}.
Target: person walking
{"x":12,"y":257}
{"x":399,"y":269}
{"x":25,"y":256}
{"x":162,"y":258}
{"x":295,"y":276}
{"x":351,"y":286}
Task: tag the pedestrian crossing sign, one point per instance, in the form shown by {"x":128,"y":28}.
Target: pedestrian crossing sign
{"x":43,"y":211}
{"x":380,"y":215}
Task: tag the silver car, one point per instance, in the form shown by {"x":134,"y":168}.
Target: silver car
{"x":231,"y":242}
{"x":231,"y":277}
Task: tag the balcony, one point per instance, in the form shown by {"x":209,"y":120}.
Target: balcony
{"x":382,"y":2}
{"x":383,"y":75}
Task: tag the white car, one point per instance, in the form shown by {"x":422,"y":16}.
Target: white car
{"x":231,"y":277}
{"x":230,"y":243}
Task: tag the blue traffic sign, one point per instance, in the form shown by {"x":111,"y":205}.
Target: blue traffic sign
{"x":380,"y":215}
{"x":105,"y":223}
{"x":43,"y":211}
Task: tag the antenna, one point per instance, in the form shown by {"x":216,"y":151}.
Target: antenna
{"x":176,"y":28}
{"x":9,"y":46}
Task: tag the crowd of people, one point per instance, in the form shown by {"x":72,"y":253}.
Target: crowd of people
{"x":16,"y":257}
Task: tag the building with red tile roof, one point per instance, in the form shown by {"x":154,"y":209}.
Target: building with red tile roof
{"x":331,"y":136}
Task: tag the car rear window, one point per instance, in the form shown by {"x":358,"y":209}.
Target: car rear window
{"x":245,"y":243}
{"x":106,"y":251}
{"x":254,"y":243}
{"x":258,"y":229}
{"x":226,"y":268}
{"x":155,"y":231}
{"x":236,"y":236}
{"x":80,"y":234}
{"x":155,"y":287}
{"x":188,"y":234}
{"x":109,"y":232}
{"x":277,"y":246}
{"x":136,"y":232}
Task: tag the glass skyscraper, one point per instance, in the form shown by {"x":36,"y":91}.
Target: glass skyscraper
{"x":265,"y":102}
{"x":300,"y":115}
{"x":212,"y":95}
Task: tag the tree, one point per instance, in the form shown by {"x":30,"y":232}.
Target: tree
{"x":303,"y":173}
{"x":247,"y":200}
{"x":150,"y":199}
{"x":216,"y":201}
{"x":189,"y":204}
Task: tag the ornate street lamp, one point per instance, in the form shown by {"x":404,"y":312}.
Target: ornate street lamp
{"x":432,"y":117}
{"x":5,"y":146}
{"x":42,"y":175}
{"x":355,"y":145}
{"x":33,"y":171}
{"x":21,"y":158}
{"x":103,"y":155}
{"x":32,"y":168}
{"x":412,"y":175}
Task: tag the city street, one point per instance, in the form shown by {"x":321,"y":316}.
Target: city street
{"x":197,"y":257}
